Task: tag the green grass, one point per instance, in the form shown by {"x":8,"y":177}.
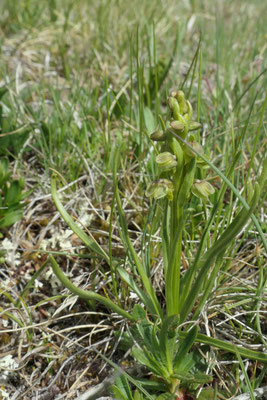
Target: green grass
{"x":80,"y":79}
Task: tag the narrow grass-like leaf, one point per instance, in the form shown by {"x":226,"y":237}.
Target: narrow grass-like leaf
{"x":146,"y":239}
{"x":26,"y":308}
{"x":48,"y":299}
{"x":147,"y":359}
{"x":255,"y":141}
{"x":167,"y":339}
{"x":17,"y":321}
{"x":120,"y":371}
{"x":140,"y":293}
{"x":31,"y":281}
{"x":87,"y":294}
{"x":117,"y":393}
{"x":129,"y":246}
{"x":249,"y":86}
{"x":226,"y":180}
{"x":126,"y":387}
{"x":208,"y":287}
{"x":188,"y":277}
{"x":227,"y":346}
{"x":252,"y":397}
{"x":197,"y":56}
{"x":193,"y":62}
{"x":215,"y":251}
{"x":185,"y":346}
{"x":89,"y":242}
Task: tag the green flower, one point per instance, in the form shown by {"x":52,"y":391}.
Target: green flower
{"x":160,"y":189}
{"x":177,"y":126}
{"x":158,"y":136}
{"x":202,"y":189}
{"x":166,"y":161}
{"x":196,"y":146}
{"x":194,"y":125}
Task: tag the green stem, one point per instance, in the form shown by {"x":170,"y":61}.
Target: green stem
{"x":172,"y":288}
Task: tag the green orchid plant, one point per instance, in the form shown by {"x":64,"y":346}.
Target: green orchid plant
{"x":162,"y":338}
{"x":177,"y":165}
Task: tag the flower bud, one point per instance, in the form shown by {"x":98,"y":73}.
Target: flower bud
{"x":202,"y":189}
{"x":194,"y":125}
{"x":166,"y":161}
{"x":202,"y":163}
{"x":190,"y":153}
{"x":178,"y":126}
{"x":190,"y":110}
{"x":182,"y":102}
{"x":174,"y":107}
{"x":158,"y":136}
{"x":160,"y":189}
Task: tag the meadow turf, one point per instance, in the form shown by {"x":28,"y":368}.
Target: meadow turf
{"x":77,"y":80}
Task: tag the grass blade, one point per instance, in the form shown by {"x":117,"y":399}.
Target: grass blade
{"x":128,"y":244}
{"x":86,"y":294}
{"x":90,"y":243}
{"x":236,"y":192}
{"x":227,"y":346}
{"x":216,"y":251}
